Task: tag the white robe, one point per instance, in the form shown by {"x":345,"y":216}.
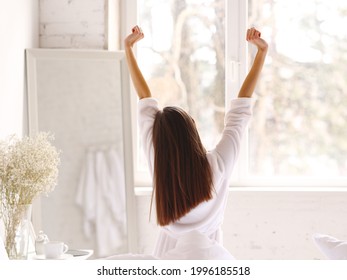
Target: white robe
{"x":205,"y":219}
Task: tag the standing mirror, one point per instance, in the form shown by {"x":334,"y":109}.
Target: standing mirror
{"x":82,"y":98}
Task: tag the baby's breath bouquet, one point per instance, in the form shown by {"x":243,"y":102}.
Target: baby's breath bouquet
{"x":28,"y":168}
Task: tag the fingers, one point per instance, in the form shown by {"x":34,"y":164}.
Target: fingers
{"x":137,"y":34}
{"x":136,"y":29}
{"x":252,"y":34}
{"x":134,"y":37}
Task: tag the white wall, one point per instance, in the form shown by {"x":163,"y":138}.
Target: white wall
{"x":270,"y":225}
{"x":73,"y":24}
{"x":18,"y":31}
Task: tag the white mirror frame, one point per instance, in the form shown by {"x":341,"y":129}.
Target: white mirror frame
{"x":32,"y":58}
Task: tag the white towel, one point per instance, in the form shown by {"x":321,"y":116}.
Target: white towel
{"x":117,"y":185}
{"x":86,"y":193}
{"x":101,"y":194}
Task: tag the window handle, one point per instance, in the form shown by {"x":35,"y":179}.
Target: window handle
{"x":234,"y":70}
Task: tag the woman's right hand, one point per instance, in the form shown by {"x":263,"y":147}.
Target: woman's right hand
{"x":254,"y":37}
{"x":134,"y":37}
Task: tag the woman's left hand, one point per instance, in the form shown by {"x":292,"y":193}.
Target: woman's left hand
{"x":134,"y":37}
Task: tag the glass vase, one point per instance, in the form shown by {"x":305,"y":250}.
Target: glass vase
{"x":18,"y":232}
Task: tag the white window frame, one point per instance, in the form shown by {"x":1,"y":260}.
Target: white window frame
{"x":236,"y":71}
{"x":236,"y":68}
{"x":128,"y":20}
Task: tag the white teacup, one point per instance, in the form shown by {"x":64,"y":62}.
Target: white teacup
{"x":55,"y":249}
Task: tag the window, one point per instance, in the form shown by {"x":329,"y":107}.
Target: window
{"x":299,"y":125}
{"x":195,"y":55}
{"x":183,"y":59}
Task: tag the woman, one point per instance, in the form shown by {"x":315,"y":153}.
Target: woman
{"x":190,"y":183}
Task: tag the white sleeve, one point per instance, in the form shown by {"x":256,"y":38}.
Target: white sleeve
{"x":147,"y":110}
{"x":235,"y":123}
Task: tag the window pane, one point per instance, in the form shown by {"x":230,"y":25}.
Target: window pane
{"x":299,"y":125}
{"x":182,"y":58}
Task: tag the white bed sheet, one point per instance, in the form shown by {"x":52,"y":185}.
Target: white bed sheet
{"x":191,"y":246}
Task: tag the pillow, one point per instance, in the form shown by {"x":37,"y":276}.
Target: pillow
{"x":331,"y":247}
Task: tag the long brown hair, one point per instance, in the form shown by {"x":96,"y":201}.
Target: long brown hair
{"x":182,"y":174}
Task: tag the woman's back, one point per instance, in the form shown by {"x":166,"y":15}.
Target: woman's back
{"x":207,"y":216}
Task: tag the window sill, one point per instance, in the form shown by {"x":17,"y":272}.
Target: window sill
{"x":292,"y":185}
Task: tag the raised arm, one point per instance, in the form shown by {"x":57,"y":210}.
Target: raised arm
{"x":139,"y":82}
{"x":248,"y":86}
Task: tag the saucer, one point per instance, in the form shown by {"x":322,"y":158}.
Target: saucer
{"x":62,"y":257}
{"x":77,"y":253}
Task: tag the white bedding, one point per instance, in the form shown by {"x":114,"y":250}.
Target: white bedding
{"x":130,"y":257}
{"x":191,"y":246}
{"x":331,"y":247}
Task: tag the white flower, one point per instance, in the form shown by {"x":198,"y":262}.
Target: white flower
{"x":28,"y":168}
